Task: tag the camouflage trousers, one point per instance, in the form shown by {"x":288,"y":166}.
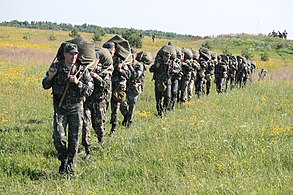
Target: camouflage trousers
{"x":174,"y":92}
{"x":220,"y":84}
{"x":95,"y":115}
{"x":200,"y":82}
{"x":128,"y":106}
{"x":208,"y":78}
{"x":115,"y":107}
{"x":163,"y":105}
{"x":184,"y":90}
{"x":71,"y":116}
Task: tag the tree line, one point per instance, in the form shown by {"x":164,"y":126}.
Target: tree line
{"x":46,"y":25}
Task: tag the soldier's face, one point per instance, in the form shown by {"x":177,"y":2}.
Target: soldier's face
{"x":70,"y":58}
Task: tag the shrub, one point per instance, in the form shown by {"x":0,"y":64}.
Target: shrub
{"x":264,"y":56}
{"x":73,"y":33}
{"x":247,"y":53}
{"x":52,"y":37}
{"x":207,"y":44}
{"x":133,"y":37}
{"x":98,"y":34}
{"x":27,"y":36}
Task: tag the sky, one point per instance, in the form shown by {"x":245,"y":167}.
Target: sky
{"x":194,"y":17}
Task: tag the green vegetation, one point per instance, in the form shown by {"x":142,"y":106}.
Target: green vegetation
{"x":239,"y":142}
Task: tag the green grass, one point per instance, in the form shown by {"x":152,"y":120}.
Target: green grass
{"x":239,"y":142}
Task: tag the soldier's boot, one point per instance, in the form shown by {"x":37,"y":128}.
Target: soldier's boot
{"x":63,"y":167}
{"x":101,"y":141}
{"x":88,"y":153}
{"x":113,"y":130}
{"x":124,"y":122}
{"x":129,"y":124}
{"x":70,"y":170}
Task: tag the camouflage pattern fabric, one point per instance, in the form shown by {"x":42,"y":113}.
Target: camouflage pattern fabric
{"x":70,"y":113}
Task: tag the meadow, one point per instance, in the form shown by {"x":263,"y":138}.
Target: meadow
{"x":239,"y":142}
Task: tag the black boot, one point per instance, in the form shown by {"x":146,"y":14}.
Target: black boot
{"x":129,"y":124}
{"x":113,"y":130}
{"x":124,"y":122}
{"x":63,"y":167}
{"x":101,"y":141}
{"x":88,"y":153}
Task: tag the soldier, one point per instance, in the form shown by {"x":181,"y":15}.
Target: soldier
{"x":241,"y":73}
{"x":146,"y":59}
{"x":285,"y":34}
{"x":133,"y":90}
{"x":210,"y":71}
{"x":95,"y":106}
{"x":187,"y":70}
{"x":162,"y":79}
{"x":70,"y":82}
{"x":231,"y":74}
{"x":119,"y":78}
{"x":221,"y":73}
{"x":262,"y":74}
{"x":204,"y":57}
{"x":176,"y":74}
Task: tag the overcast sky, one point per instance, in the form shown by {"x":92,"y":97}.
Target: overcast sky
{"x":195,"y":17}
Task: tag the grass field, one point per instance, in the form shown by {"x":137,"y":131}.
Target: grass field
{"x":239,"y":142}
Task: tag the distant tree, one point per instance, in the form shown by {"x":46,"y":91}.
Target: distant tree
{"x":133,"y":37}
{"x":98,"y":34}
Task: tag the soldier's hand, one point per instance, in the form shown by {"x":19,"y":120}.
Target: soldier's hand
{"x":51,"y":73}
{"x":119,"y":66}
{"x":95,"y":75}
{"x":73,"y":79}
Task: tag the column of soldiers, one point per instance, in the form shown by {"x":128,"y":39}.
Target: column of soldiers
{"x":82,"y":96}
{"x":176,"y":71}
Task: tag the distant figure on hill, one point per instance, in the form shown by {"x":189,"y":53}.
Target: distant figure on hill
{"x":262,"y":74}
{"x":285,"y":34}
{"x":153,"y":37}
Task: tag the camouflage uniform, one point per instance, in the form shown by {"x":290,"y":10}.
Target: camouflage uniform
{"x":231,"y":74}
{"x":204,"y":57}
{"x":185,"y":80}
{"x":133,"y":90}
{"x":176,"y":75}
{"x":95,"y":108}
{"x":162,"y":79}
{"x":119,"y":79}
{"x":221,"y":73}
{"x":70,"y":112}
{"x":187,"y":70}
{"x":241,"y":73}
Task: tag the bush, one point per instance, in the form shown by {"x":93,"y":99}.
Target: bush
{"x":264,"y":56}
{"x":73,"y":33}
{"x":207,"y":44}
{"x":98,"y":34}
{"x":52,"y":37}
{"x":133,"y":37}
{"x":247,"y":53}
{"x":27,"y":36}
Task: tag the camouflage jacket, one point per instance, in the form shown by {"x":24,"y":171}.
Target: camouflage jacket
{"x":136,"y":75}
{"x":84,"y":88}
{"x":161,"y":72}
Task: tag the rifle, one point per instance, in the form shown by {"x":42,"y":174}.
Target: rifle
{"x":68,"y":83}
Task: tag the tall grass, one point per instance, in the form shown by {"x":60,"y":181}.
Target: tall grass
{"x":239,"y":142}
